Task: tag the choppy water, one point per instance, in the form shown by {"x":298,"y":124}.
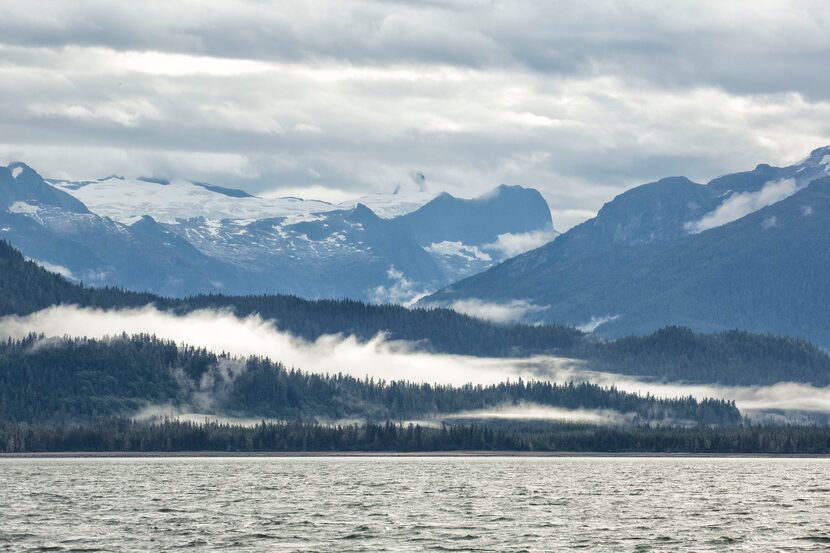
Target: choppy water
{"x":412,"y":504}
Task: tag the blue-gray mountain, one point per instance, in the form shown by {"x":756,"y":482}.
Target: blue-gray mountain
{"x":749,"y":250}
{"x":181,"y":238}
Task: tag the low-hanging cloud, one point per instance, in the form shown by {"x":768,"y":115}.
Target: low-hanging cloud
{"x":597,"y":322}
{"x":497,"y":312}
{"x":156,"y":413}
{"x":400,"y":290}
{"x":513,"y":244}
{"x":786,"y":396}
{"x":221,"y":331}
{"x":507,"y":412}
{"x":55,"y":268}
{"x":380,"y":358}
{"x":742,"y":204}
{"x":534,"y":412}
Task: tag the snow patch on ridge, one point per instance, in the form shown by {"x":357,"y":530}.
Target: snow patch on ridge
{"x":24,"y":208}
{"x":450,"y":248}
{"x":125,"y":199}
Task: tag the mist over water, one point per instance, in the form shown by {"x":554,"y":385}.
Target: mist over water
{"x":379,"y":358}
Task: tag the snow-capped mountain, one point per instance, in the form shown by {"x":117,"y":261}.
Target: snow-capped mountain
{"x":749,"y":250}
{"x":467,"y":236}
{"x":405,"y":198}
{"x":180,"y":237}
{"x":127,"y":200}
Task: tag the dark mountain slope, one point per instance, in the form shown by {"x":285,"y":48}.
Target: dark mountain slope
{"x":639,"y":267}
{"x":206,"y":238}
{"x":19,"y":182}
{"x":479,"y":221}
{"x":766,"y":272}
{"x":671,"y":354}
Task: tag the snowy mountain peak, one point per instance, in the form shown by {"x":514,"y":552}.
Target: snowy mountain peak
{"x":18,"y":168}
{"x":180,"y":237}
{"x":818,"y":158}
{"x":167,"y":201}
{"x":231,"y":192}
{"x":21,"y":184}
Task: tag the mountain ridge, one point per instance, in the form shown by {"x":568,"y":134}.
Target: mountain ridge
{"x":181,"y":238}
{"x":646,"y":261}
{"x":670,"y":354}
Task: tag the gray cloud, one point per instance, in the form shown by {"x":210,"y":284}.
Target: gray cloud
{"x":745,"y":46}
{"x":578,"y":99}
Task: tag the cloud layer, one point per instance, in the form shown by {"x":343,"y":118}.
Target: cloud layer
{"x":378,"y":358}
{"x":579,"y":99}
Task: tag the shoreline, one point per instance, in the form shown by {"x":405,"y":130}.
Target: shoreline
{"x":396,"y":454}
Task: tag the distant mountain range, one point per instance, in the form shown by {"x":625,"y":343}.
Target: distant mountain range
{"x":748,"y":250}
{"x":180,"y":238}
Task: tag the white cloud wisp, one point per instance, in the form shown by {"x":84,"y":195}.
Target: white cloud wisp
{"x":742,"y":204}
{"x":379,"y":358}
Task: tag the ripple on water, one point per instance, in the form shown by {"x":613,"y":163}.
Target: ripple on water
{"x":406,"y":504}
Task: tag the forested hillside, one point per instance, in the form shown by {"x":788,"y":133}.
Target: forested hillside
{"x":26,"y":287}
{"x":669,"y":354}
{"x":45,"y":379}
{"x":734,"y":357}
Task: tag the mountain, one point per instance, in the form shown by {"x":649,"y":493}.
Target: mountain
{"x":406,"y":197}
{"x":479,"y":221}
{"x":20,"y":183}
{"x":181,"y":238}
{"x":749,"y":250}
{"x":467,"y":236}
{"x":125,"y":200}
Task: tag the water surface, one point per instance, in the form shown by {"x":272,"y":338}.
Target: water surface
{"x":415,"y":503}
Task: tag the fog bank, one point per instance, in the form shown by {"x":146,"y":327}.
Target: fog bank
{"x":379,"y":358}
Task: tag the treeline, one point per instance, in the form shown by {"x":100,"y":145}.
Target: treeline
{"x":125,"y":435}
{"x":729,"y":358}
{"x":734,"y":357}
{"x":44,"y":379}
{"x":26,"y":287}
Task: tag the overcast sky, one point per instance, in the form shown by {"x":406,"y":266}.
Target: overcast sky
{"x":338,"y":99}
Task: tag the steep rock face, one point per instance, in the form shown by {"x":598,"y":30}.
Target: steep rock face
{"x":350,"y":253}
{"x":650,"y":213}
{"x":466,"y":237}
{"x":21,"y":183}
{"x":479,"y":221}
{"x":180,"y":238}
{"x":746,"y":251}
